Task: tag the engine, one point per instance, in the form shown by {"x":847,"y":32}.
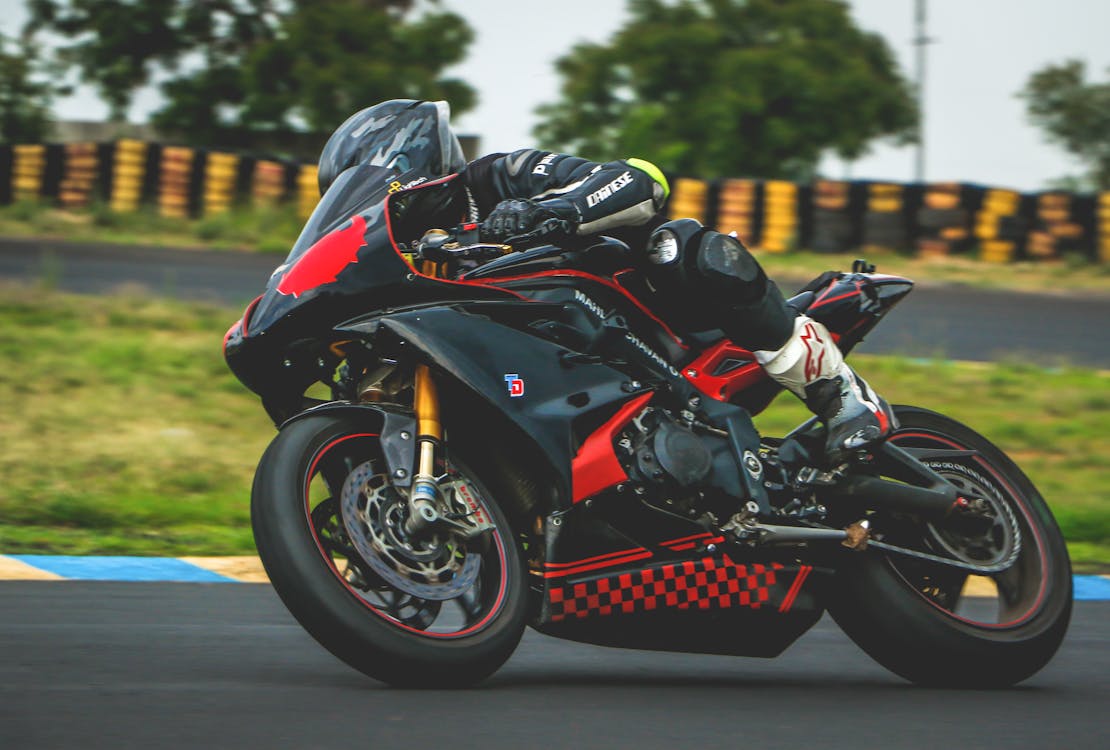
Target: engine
{"x":675,"y":465}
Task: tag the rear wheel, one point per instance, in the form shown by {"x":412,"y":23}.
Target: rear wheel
{"x":939,"y":625}
{"x":443,"y":609}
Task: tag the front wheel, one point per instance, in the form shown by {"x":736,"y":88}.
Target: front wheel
{"x":442,"y":610}
{"x":934,"y":624}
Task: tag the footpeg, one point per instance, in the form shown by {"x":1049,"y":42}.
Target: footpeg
{"x":858,"y":535}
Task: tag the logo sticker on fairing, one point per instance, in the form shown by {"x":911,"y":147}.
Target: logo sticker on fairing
{"x":515,"y":384}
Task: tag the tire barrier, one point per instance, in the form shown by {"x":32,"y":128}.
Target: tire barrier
{"x":1104,"y":227}
{"x":128,"y":173}
{"x":173,"y":188}
{"x":28,"y":168}
{"x":737,"y":208}
{"x":998,"y":226}
{"x":780,"y":217}
{"x":834,"y":228}
{"x":884,"y":227}
{"x":826,"y":216}
{"x":308,"y":191}
{"x":78,"y":185}
{"x":689,"y":199}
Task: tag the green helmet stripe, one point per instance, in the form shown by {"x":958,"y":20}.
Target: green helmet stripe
{"x":653,"y":171}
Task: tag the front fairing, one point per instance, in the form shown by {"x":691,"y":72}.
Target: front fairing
{"x":346,"y":263}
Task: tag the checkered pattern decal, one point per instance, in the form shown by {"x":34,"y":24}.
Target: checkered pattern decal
{"x":709,"y":583}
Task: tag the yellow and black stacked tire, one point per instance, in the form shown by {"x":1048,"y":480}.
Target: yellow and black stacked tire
{"x":1102,"y":222}
{"x":79,"y":179}
{"x":267,"y":183}
{"x":308,"y":191}
{"x":942,"y":222}
{"x":689,"y":199}
{"x":175,"y":181}
{"x":736,"y":206}
{"x":884,"y":223}
{"x":833,"y":228}
{"x":221,"y":172}
{"x":1057,"y":232}
{"x":128,"y":172}
{"x":998,"y":226}
{"x":28,"y":166}
{"x":780,"y":216}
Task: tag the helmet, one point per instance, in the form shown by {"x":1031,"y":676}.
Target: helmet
{"x":402,"y":134}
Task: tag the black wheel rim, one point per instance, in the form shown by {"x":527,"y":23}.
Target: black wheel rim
{"x":996,"y":602}
{"x":471,"y":611}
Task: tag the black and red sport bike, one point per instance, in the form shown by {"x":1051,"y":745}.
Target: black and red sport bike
{"x":505,"y":439}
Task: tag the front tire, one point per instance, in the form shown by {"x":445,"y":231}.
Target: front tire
{"x":364,"y":619}
{"x":915,"y":618}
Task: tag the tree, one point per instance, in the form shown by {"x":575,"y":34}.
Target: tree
{"x":729,"y":87}
{"x":27,"y":88}
{"x":236,"y":70}
{"x":1073,"y":113}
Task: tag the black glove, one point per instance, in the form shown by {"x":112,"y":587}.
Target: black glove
{"x":514,"y":217}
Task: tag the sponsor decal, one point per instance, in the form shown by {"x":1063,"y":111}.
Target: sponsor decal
{"x":589,"y":304}
{"x":515,"y":384}
{"x":545,"y":162}
{"x":396,"y":186}
{"x":606,"y":192}
{"x":813,"y":366}
{"x":636,"y":342}
{"x":477,"y":516}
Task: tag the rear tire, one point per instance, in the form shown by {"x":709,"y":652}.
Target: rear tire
{"x":316,"y":583}
{"x":908,"y":615}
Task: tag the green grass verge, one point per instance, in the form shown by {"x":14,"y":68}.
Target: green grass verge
{"x":255,"y":229}
{"x":275,"y":229}
{"x":123,"y":431}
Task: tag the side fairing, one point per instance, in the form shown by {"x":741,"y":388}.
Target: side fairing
{"x":529,"y":380}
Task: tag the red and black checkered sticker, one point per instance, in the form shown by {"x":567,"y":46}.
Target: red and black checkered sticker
{"x":708,"y":583}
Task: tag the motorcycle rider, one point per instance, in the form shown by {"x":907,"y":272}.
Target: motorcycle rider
{"x":708,"y":278}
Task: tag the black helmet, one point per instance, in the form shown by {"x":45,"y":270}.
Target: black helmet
{"x":402,"y":134}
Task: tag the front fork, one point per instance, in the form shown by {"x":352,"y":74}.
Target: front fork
{"x":424,"y":497}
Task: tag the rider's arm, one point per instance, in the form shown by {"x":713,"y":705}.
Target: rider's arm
{"x":598,"y":197}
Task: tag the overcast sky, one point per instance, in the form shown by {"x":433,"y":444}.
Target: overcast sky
{"x":975,"y":128}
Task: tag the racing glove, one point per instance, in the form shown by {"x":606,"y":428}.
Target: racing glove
{"x":541,"y":219}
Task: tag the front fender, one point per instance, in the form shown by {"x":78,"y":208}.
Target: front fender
{"x":396,"y":432}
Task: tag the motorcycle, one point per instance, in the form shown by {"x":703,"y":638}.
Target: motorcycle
{"x":505,"y":436}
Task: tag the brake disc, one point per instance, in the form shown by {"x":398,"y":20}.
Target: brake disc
{"x":373,"y":513}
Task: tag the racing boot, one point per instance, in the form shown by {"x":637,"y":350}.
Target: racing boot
{"x":811,"y":366}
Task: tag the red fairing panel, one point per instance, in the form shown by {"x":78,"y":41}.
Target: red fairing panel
{"x":322,"y":263}
{"x":723,"y":387}
{"x":595,"y":467}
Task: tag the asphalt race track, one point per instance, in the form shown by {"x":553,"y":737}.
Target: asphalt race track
{"x":168,"y":666}
{"x":942,"y":322}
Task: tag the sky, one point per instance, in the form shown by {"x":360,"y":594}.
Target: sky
{"x":975,"y":127}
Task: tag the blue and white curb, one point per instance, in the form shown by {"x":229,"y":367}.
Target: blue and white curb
{"x":249,"y":570}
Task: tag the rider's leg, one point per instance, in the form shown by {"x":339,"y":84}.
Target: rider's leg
{"x":797,"y":352}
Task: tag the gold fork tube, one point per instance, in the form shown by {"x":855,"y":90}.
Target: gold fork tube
{"x":428,"y":426}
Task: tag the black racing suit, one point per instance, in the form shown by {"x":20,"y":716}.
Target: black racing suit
{"x":714,"y":283}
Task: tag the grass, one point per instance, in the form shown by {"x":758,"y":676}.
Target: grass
{"x":271,"y":229}
{"x":123,"y":431}
{"x":275,"y":229}
{"x":1070,"y":275}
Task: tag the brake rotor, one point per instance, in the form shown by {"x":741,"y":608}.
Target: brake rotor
{"x":373,"y":512}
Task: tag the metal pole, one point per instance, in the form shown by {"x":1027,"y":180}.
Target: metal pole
{"x":921,"y":40}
